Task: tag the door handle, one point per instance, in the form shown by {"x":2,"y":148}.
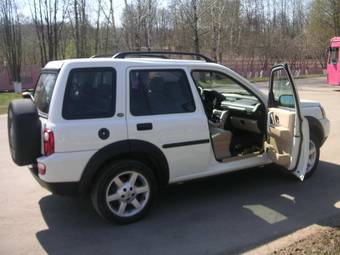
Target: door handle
{"x":271,"y":121}
{"x":144,"y":126}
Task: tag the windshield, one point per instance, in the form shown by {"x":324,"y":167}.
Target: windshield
{"x":218,"y":82}
{"x":43,"y":91}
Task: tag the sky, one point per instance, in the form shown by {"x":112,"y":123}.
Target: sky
{"x":24,"y":7}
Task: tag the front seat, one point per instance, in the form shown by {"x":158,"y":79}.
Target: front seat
{"x":156,"y":96}
{"x":221,"y":140}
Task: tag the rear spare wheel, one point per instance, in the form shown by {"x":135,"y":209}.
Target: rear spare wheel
{"x":24,"y":131}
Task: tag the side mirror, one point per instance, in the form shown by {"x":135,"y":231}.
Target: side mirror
{"x":27,"y":95}
{"x":287,"y":101}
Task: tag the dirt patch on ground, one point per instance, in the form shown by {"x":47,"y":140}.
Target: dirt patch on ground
{"x":326,"y":241}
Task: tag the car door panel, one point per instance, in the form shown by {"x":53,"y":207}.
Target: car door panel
{"x":288,"y":131}
{"x":182,"y":137}
{"x":282,"y":130}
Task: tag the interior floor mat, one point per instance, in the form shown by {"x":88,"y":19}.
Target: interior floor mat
{"x":251,"y":149}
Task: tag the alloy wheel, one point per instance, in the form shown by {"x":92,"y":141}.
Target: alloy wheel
{"x":127,"y":194}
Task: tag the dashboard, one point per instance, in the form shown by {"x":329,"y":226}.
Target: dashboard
{"x":244,"y":112}
{"x":240,"y":103}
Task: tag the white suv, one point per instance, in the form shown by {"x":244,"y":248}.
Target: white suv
{"x":121,"y":128}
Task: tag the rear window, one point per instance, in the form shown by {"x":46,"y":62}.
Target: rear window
{"x":44,"y":90}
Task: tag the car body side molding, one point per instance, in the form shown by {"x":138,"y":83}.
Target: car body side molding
{"x":172,"y":145}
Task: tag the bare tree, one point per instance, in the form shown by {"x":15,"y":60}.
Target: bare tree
{"x":80,"y":28}
{"x":11,"y":37}
{"x":110,"y":38}
{"x":96,"y":39}
{"x":250,"y":34}
{"x":196,"y":46}
{"x":48,"y":27}
{"x":111,"y":20}
{"x":216,"y":16}
{"x":129,"y":26}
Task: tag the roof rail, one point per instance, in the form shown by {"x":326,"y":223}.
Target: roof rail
{"x":160,"y":54}
{"x":101,"y":56}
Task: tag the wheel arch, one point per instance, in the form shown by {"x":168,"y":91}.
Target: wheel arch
{"x":316,"y":129}
{"x":139,"y":150}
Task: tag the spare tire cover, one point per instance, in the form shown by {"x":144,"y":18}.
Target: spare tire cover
{"x":24,"y":131}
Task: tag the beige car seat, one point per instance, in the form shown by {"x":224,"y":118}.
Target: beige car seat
{"x":221,"y":138}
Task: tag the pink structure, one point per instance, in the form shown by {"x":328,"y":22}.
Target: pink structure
{"x":333,"y":63}
{"x":29,"y":75}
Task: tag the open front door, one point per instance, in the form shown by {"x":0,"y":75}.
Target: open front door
{"x":288,"y":131}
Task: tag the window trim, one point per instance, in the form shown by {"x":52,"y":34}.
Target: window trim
{"x":98,"y":69}
{"x":160,"y":70}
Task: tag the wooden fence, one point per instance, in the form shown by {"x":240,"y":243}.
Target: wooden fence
{"x":253,"y":69}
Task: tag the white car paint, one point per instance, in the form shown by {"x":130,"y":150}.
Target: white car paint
{"x":76,"y":143}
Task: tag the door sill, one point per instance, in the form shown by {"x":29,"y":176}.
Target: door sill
{"x":239,"y":157}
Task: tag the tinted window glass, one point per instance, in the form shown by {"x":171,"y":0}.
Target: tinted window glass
{"x":160,"y":92}
{"x":44,"y":90}
{"x":90,"y":93}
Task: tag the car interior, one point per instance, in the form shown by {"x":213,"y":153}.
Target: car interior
{"x":237,"y":118}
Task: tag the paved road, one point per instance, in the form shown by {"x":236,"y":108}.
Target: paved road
{"x":228,"y":214}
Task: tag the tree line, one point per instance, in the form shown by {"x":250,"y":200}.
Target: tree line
{"x":257,"y":32}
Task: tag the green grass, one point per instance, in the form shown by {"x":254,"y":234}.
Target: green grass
{"x":5,"y":98}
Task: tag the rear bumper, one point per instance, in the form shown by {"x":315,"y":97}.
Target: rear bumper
{"x":58,"y":188}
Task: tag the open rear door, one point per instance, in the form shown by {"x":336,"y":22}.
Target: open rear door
{"x":288,"y":131}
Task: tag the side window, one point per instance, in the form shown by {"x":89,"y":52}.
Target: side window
{"x":282,"y":90}
{"x":333,"y":56}
{"x":44,"y":90}
{"x":155,"y":92}
{"x":90,"y":93}
{"x":218,"y":81}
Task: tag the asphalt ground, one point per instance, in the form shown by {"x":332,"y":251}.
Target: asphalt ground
{"x":227,"y":214}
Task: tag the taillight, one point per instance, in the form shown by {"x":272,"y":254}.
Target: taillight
{"x":48,"y":142}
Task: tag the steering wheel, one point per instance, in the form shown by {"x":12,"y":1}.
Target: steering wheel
{"x":218,"y":98}
{"x":201,"y":92}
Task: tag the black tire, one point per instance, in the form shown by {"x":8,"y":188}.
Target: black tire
{"x":24,"y":131}
{"x":315,"y":140}
{"x":107,"y":175}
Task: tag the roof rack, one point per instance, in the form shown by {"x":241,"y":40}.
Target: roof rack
{"x":102,"y":56}
{"x":160,"y":54}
